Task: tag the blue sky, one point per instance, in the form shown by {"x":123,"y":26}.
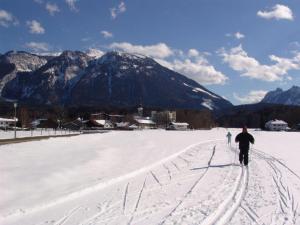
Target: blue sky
{"x":238,"y":49}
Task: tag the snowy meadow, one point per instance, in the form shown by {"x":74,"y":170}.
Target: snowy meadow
{"x":151,"y":177}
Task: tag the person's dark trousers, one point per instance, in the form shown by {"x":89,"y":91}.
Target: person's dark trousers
{"x":243,"y":157}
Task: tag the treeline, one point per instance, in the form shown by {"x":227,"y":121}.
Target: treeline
{"x":256,"y":115}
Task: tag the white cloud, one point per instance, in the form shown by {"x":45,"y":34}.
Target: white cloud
{"x":72,"y":6}
{"x":193,"y":53}
{"x":37,"y":46}
{"x":35,"y":27}
{"x":160,"y":50}
{"x":199,"y":70}
{"x":192,"y":64}
{"x":95,"y":53}
{"x":237,"y":58}
{"x":236,"y":35}
{"x":254,"y":96}
{"x":7,"y":19}
{"x":106,"y":34}
{"x":115,"y":11}
{"x":239,"y":35}
{"x":277,"y":12}
{"x":52,"y":8}
{"x":39,"y":1}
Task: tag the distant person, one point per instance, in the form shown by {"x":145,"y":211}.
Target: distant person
{"x":244,"y":139}
{"x":229,"y":138}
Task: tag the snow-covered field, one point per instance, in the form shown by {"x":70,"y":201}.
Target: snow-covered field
{"x":34,"y":133}
{"x":150,"y":177}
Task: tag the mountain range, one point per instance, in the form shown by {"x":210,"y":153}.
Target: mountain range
{"x":116,"y":79}
{"x":288,"y":97}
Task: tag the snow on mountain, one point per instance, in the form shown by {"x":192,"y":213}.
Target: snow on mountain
{"x":127,"y":80}
{"x":14,"y":62}
{"x":115,"y":79}
{"x":288,"y":97}
{"x":51,"y":83}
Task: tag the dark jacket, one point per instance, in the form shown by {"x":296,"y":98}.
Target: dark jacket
{"x":244,"y":139}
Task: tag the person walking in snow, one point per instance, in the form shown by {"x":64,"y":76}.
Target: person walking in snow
{"x":244,"y":139}
{"x":229,"y":138}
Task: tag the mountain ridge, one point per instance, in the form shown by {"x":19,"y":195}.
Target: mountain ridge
{"x":116,"y":79}
{"x":288,"y":97}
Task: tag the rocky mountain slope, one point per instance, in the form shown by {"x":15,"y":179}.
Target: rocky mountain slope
{"x":288,"y":97}
{"x":114,"y":80}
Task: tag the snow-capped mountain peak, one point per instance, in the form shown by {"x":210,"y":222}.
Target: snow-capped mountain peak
{"x":288,"y":97}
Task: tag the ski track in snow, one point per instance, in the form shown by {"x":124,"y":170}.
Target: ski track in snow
{"x":286,"y":211}
{"x":191,"y":189}
{"x":157,"y":179}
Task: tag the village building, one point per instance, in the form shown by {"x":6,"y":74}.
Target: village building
{"x":6,"y":123}
{"x":144,"y":122}
{"x":163,"y":118}
{"x":276,"y":125}
{"x":178,"y":126}
{"x":106,"y":124}
{"x":77,"y":124}
{"x":44,"y":123}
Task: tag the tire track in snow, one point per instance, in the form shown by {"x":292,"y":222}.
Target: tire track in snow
{"x":190,"y":190}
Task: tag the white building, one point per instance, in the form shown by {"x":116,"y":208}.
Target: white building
{"x":5,"y":123}
{"x":276,"y":125}
{"x":144,"y":122}
{"x":106,"y":124}
{"x":178,"y":126}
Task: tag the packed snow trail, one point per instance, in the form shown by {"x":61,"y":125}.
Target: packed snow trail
{"x":199,"y":184}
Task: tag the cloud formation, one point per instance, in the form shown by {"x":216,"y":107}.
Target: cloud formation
{"x":35,"y":27}
{"x":94,"y":53}
{"x":236,"y":35}
{"x":254,"y":96}
{"x":193,"y":64}
{"x":160,"y":50}
{"x":115,"y":11}
{"x":7,"y":19}
{"x":106,"y":34}
{"x":37,"y":46}
{"x":237,"y":58}
{"x":72,"y":5}
{"x":278,"y":12}
{"x":52,"y":8}
{"x":239,"y":35}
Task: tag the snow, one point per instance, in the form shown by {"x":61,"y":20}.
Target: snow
{"x":208,"y":104}
{"x":151,"y":177}
{"x":200,"y":90}
{"x":206,"y":92}
{"x":6,"y":120}
{"x":37,"y":132}
{"x":279,"y":122}
{"x":101,"y":122}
